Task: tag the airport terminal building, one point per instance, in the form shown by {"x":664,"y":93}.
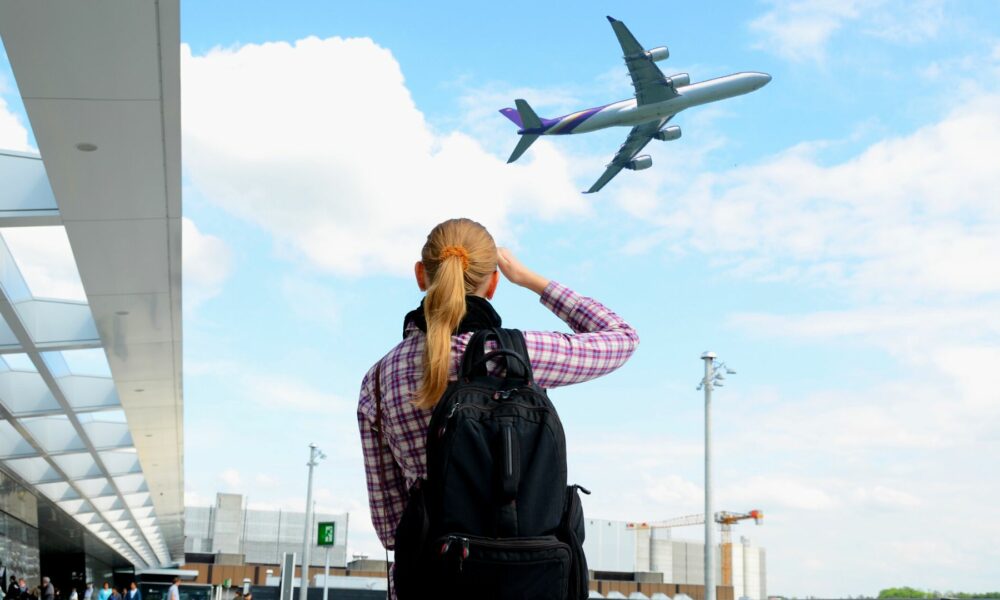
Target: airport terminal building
{"x":91,"y":429}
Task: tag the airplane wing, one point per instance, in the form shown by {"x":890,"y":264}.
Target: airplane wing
{"x":634,"y":143}
{"x":647,"y":79}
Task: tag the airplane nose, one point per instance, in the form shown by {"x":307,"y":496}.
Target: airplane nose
{"x":764,"y":79}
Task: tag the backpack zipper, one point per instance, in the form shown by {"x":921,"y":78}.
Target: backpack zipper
{"x":508,"y":450}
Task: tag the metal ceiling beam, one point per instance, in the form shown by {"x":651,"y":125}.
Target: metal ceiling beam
{"x":13,"y":320}
{"x":29,"y":201}
{"x":24,"y":433}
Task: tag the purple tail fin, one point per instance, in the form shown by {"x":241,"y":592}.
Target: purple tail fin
{"x":513,"y":115}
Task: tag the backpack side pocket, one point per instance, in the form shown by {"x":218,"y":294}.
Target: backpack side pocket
{"x":411,"y":540}
{"x":572,"y":532}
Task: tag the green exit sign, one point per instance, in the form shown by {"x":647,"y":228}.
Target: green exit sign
{"x":325,"y":536}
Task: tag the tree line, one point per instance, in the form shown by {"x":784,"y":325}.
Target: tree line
{"x":909,"y":592}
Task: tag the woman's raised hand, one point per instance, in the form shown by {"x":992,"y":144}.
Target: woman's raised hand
{"x":519,"y":274}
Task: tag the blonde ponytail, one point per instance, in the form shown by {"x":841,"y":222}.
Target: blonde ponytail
{"x":458,"y":258}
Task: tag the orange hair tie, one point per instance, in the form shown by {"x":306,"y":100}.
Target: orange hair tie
{"x":458,"y":251}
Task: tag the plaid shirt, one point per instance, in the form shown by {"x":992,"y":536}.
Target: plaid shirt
{"x":602,"y":343}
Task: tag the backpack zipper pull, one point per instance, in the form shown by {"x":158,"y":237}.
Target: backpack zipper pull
{"x":451,"y":413}
{"x":465,"y":553}
{"x":446,"y":546}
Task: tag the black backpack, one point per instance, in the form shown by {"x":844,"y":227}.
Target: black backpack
{"x":494,"y":519}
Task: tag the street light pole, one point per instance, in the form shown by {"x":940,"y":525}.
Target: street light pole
{"x":713,"y":378}
{"x":709,"y":358}
{"x":315,"y":455}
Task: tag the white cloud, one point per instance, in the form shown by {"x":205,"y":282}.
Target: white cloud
{"x":13,"y":133}
{"x":913,"y":216}
{"x":262,"y":480}
{"x":319,"y":143}
{"x":799,"y":30}
{"x":903,"y":238}
{"x":207,"y":263}
{"x":882,"y":497}
{"x":45,"y":259}
{"x":778,"y":491}
{"x":231,"y":478}
{"x":194,"y":498}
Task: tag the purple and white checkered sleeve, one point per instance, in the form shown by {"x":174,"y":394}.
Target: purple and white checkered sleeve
{"x":602,"y":341}
{"x":386,"y":490}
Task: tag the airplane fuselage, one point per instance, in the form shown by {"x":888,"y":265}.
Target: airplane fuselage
{"x":627,"y":113}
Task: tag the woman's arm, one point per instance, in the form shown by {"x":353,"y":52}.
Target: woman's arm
{"x":386,"y":490}
{"x":602,"y":341}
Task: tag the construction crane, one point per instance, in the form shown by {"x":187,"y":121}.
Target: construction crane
{"x":724,"y":518}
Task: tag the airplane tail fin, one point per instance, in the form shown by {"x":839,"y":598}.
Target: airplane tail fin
{"x":523,"y":144}
{"x":526,"y":119}
{"x":527,"y":114}
{"x":523,"y":116}
{"x":511,"y":113}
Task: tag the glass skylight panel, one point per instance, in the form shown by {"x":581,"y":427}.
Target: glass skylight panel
{"x":105,"y":434}
{"x":7,"y":338}
{"x":11,"y":442}
{"x":130,"y":484}
{"x":56,"y":491}
{"x":94,"y":488}
{"x":19,"y":362}
{"x":89,"y":361}
{"x":101,"y":528}
{"x":87,"y":392}
{"x":25,"y":393}
{"x":116,"y":515}
{"x":121,"y":462}
{"x":137,"y":500}
{"x":104,"y":416}
{"x":143,"y":511}
{"x":34,"y":470}
{"x":45,"y":261}
{"x":87,"y":518}
{"x":54,"y":433}
{"x":11,"y":280}
{"x":74,"y":507}
{"x":105,"y":503}
{"x":80,"y":465}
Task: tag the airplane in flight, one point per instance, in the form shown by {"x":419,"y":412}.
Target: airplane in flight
{"x":657,"y":99}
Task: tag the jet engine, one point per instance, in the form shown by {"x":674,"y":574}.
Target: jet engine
{"x":680,"y":80}
{"x":658,"y":54}
{"x":670,"y":133}
{"x":639,"y":163}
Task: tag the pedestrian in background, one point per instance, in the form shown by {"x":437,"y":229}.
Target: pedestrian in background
{"x":133,"y":592}
{"x":105,"y":592}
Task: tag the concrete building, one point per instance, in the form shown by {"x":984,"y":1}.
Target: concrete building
{"x":91,"y":432}
{"x":613,"y":548}
{"x":230,"y":533}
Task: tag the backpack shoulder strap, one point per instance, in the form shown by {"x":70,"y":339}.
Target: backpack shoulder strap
{"x":510,"y":347}
{"x":512,"y":341}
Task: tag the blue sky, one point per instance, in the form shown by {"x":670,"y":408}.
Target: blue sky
{"x":833,"y":236}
